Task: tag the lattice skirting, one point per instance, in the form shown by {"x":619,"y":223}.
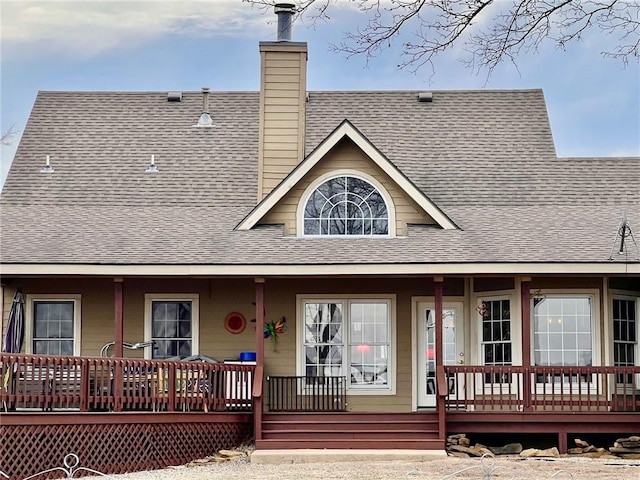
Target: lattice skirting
{"x":115,"y":443}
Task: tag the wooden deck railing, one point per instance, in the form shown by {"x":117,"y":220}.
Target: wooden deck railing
{"x":307,"y":394}
{"x":517,"y":388}
{"x":119,"y":384}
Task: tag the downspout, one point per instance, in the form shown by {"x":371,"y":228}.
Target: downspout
{"x":258,"y":398}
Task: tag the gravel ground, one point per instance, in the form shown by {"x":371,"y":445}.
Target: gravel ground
{"x":506,"y":468}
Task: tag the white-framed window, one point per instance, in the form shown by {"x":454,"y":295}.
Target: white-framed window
{"x":172,"y":324}
{"x":495,"y":334}
{"x":52,"y":324}
{"x":352,"y":337}
{"x":624,"y":314}
{"x":565,"y":333}
{"x":346,"y":204}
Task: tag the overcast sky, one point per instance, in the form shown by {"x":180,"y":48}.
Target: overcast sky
{"x":593,"y":102}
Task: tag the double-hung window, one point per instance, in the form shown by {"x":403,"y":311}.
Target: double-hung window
{"x":53,"y":325}
{"x":625,"y":335}
{"x":349,"y":337}
{"x":171,"y":323}
{"x":496,"y":348}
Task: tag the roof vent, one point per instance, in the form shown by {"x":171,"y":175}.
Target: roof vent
{"x":205,"y":119}
{"x":152,"y":168}
{"x":285,"y":12}
{"x":47,"y":166}
{"x":174,"y":97}
{"x":425,"y":97}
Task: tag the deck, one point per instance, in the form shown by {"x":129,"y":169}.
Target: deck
{"x":140,"y":414}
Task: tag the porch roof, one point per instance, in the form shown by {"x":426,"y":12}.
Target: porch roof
{"x":485,"y":158}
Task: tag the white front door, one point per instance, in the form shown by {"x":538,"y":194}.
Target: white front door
{"x":452,"y":347}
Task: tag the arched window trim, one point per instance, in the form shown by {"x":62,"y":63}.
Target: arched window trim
{"x":342,"y":173}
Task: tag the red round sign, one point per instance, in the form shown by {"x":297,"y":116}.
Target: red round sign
{"x":235,"y":322}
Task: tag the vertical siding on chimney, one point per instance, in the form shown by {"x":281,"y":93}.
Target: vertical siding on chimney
{"x":283,"y":85}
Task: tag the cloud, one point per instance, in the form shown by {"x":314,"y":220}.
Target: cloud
{"x":87,"y":28}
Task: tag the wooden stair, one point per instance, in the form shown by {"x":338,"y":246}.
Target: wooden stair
{"x":415,"y":431}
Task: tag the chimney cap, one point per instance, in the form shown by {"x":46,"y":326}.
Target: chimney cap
{"x":284,"y":7}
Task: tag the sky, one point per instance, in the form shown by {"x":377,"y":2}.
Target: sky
{"x":137,"y":45}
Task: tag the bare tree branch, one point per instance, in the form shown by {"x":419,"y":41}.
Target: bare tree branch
{"x":489,"y":31}
{"x":8,"y":135}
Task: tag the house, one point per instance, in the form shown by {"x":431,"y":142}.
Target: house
{"x":416,"y":264}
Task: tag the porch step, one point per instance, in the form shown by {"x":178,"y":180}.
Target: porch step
{"x":350,"y":430}
{"x":331,"y":426}
{"x":381,"y":443}
{"x":351,"y":434}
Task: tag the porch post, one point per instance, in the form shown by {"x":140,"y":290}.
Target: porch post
{"x":258,"y":381}
{"x":118,"y":324}
{"x":118,"y":336}
{"x":440,"y":398}
{"x":525,"y":296}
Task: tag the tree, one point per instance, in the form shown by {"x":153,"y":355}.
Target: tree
{"x":8,"y":135}
{"x":490,"y":31}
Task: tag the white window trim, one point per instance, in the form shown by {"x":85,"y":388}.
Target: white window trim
{"x":390,"y":299}
{"x":514,"y":328}
{"x":341,"y":173}
{"x":194,"y":298}
{"x":77,"y":318}
{"x":476,"y":324}
{"x":596,"y":359}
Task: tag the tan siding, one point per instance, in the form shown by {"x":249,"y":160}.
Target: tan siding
{"x":347,"y":155}
{"x":282,"y":104}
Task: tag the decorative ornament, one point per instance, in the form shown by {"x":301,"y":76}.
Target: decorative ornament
{"x":235,"y":322}
{"x":273,"y":329}
{"x":483,"y":309}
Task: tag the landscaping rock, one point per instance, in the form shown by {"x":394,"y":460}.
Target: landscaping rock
{"x":509,"y":449}
{"x":534,"y":452}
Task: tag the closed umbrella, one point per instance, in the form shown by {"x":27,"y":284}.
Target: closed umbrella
{"x":13,"y":340}
{"x":15,"y":328}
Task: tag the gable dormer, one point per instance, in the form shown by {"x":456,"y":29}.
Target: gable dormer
{"x":283,"y":88}
{"x":347,"y":153}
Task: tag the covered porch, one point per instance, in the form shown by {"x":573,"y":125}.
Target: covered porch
{"x":462,"y":355}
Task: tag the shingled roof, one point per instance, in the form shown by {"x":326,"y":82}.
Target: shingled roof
{"x":485,"y":158}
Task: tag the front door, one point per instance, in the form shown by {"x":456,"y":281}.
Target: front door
{"x":452,"y":347}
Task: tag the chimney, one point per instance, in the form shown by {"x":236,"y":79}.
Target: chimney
{"x":283,"y":91}
{"x":285,"y":12}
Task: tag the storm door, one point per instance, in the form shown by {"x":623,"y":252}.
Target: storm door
{"x":452,"y":349}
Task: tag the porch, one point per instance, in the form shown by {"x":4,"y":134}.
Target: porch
{"x":119,"y":414}
{"x":562,"y":401}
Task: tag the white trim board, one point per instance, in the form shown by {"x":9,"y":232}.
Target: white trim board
{"x":381,"y":269}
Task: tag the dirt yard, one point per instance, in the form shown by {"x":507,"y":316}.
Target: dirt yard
{"x":504,"y":468}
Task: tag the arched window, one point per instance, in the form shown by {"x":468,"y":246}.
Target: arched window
{"x":346,"y":205}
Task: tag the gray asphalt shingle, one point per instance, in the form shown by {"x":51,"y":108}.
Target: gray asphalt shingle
{"x":486,"y":158}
